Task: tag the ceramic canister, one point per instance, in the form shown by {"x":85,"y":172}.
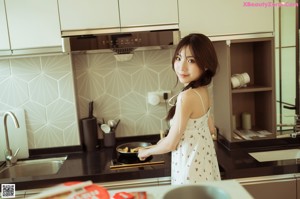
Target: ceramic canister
{"x":246,"y":121}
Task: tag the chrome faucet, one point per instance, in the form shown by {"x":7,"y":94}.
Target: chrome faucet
{"x":10,"y":158}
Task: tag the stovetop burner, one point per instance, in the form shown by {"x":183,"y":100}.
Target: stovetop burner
{"x":125,"y":162}
{"x":123,"y":159}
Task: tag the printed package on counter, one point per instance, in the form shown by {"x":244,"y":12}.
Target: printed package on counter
{"x":130,"y":195}
{"x":74,"y":190}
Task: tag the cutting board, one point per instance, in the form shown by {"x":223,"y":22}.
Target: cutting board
{"x":17,"y":136}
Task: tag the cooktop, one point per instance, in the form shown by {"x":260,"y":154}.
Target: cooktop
{"x":127,"y":162}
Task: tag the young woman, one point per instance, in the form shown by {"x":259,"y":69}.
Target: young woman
{"x":189,"y":138}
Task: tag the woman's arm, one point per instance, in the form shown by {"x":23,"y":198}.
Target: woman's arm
{"x":211,"y":125}
{"x":181,"y":116}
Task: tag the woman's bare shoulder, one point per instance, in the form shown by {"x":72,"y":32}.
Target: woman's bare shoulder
{"x":193,"y":92}
{"x":189,"y":96}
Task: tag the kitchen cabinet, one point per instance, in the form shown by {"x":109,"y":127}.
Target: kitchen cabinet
{"x":88,"y":15}
{"x":275,"y":189}
{"x":4,"y":39}
{"x":219,"y":18}
{"x":79,"y":17}
{"x":256,"y":57}
{"x":33,"y":24}
{"x":148,"y":13}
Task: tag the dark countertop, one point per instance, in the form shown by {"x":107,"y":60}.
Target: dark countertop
{"x":94,"y":166}
{"x":235,"y":163}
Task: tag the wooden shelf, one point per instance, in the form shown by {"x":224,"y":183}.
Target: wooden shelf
{"x":251,"y":89}
{"x":256,"y":58}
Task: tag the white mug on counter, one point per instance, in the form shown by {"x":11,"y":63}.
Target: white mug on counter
{"x":240,"y":80}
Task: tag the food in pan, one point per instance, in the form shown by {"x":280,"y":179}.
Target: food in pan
{"x":127,"y":149}
{"x":123,"y":150}
{"x":134,"y":150}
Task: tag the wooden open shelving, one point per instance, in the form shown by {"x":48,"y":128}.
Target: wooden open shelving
{"x":255,"y":57}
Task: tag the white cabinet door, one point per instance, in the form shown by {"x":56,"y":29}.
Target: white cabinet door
{"x":88,"y":14}
{"x":217,"y":18}
{"x":148,"y":12}
{"x":4,"y":39}
{"x":33,"y":23}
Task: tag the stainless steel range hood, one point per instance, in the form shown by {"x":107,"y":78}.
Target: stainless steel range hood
{"x":123,"y":43}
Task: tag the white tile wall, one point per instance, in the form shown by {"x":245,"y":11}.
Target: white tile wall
{"x":119,"y":89}
{"x":43,"y":86}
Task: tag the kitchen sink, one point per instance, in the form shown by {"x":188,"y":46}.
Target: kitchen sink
{"x":36,"y":167}
{"x":197,"y":191}
{"x":276,"y":155}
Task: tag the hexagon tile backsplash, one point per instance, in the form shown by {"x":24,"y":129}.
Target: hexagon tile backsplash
{"x":43,"y":86}
{"x":119,"y":89}
{"x":50,"y":90}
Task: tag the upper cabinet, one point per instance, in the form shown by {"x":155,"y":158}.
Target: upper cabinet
{"x":219,"y":18}
{"x":4,"y":39}
{"x":33,"y":24}
{"x":103,"y":16}
{"x":89,"y":15}
{"x":148,"y":13}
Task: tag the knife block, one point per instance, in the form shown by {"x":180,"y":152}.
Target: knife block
{"x":90,"y":133}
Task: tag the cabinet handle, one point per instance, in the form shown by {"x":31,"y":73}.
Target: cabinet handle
{"x":289,"y":107}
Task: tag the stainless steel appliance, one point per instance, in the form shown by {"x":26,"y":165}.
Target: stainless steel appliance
{"x":123,"y":43}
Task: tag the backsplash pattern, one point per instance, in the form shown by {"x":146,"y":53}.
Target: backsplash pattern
{"x":44,"y":87}
{"x":53,"y":88}
{"x":119,"y":89}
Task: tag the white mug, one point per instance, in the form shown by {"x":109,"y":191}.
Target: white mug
{"x":240,"y":80}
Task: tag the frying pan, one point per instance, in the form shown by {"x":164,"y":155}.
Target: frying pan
{"x":131,"y":145}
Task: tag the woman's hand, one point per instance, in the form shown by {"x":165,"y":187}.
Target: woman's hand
{"x":143,"y":154}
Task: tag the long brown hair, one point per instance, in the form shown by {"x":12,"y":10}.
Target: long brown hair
{"x":205,"y":56}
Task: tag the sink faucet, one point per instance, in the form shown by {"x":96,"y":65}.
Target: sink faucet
{"x":9,"y":156}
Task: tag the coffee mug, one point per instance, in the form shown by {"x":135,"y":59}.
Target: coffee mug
{"x":240,"y":80}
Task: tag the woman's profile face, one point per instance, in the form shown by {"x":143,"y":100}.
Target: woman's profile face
{"x":186,"y":67}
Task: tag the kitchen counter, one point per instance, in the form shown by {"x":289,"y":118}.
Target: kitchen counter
{"x":230,"y":187}
{"x":95,"y":166}
{"x":237,"y":162}
{"x":218,"y":189}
